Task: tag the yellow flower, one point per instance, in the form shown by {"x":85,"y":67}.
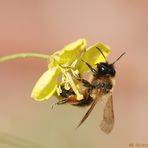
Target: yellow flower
{"x":67,"y":63}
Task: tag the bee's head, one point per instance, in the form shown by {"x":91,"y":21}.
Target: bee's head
{"x":105,"y":69}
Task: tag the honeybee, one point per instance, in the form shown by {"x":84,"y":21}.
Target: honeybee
{"x":100,"y":87}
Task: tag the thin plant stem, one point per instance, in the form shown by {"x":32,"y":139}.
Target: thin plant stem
{"x":23,"y":55}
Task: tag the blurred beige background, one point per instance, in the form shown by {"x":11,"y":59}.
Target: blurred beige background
{"x":44,"y":26}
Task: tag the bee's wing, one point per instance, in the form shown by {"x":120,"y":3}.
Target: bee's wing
{"x":108,"y":116}
{"x":97,"y":97}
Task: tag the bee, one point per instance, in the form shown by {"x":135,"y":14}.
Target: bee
{"x":100,"y":87}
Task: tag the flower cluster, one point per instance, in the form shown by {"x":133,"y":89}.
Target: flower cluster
{"x":64,"y":66}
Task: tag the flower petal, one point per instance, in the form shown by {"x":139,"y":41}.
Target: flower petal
{"x":93,"y":56}
{"x":46,"y":85}
{"x":68,"y":54}
{"x":72,"y":51}
{"x":53,"y":60}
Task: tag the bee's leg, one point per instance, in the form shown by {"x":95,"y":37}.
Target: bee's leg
{"x":87,"y":99}
{"x":91,"y":68}
{"x":63,"y":101}
{"x":85,"y":82}
{"x":84,"y":102}
{"x":72,"y":99}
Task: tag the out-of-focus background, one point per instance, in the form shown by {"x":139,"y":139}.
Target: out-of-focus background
{"x":44,"y":26}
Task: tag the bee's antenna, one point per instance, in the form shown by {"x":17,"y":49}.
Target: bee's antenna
{"x":102,"y":54}
{"x":118,"y":58}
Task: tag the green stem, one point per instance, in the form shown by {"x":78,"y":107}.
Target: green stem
{"x":23,"y":55}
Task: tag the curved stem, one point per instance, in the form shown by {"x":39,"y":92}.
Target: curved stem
{"x":23,"y":55}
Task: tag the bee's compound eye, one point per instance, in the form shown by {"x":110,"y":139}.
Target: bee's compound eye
{"x":102,"y":70}
{"x":111,"y":70}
